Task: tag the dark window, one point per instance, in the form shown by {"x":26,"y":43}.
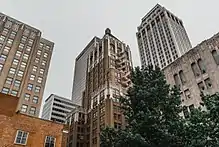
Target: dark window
{"x":215,"y":56}
{"x":50,"y":141}
{"x":201,"y":66}
{"x":176,"y":79}
{"x":195,"y":69}
{"x":182,"y":77}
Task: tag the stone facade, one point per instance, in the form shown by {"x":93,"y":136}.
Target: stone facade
{"x":37,"y":129}
{"x":195,"y":72}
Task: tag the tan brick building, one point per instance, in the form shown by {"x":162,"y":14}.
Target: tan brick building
{"x":107,"y":66}
{"x":195,"y":72}
{"x":18,"y":129}
{"x":24,"y":63}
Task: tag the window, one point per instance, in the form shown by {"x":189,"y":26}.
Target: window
{"x":6,"y":49}
{"x":201,"y":86}
{"x":30,"y":86}
{"x":195,"y":69}
{"x":5,"y":31}
{"x":2,"y":39}
{"x":34,"y":68}
{"x":13,"y":34}
{"x":24,"y":108}
{"x":49,"y":141}
{"x":32,"y":77}
{"x":185,"y":112}
{"x":21,"y":46}
{"x":188,"y":94}
{"x":41,"y":71}
{"x":9,"y":80}
{"x":18,"y":54}
{"x":32,"y":110}
{"x":176,"y":79}
{"x":12,"y":71}
{"x":35,"y":99}
{"x":25,"y":56}
{"x":10,"y":41}
{"x":182,"y":77}
{"x":45,"y":55}
{"x":23,"y":64}
{"x":39,"y":80}
{"x":28,"y":48}
{"x":47,"y":47}
{"x":24,"y":39}
{"x":37,"y":89}
{"x":215,"y":56}
{"x":14,"y":93}
{"x":21,"y":137}
{"x":39,"y":52}
{"x":1,"y":67}
{"x":20,"y":73}
{"x":3,"y":58}
{"x":208,"y":83}
{"x":27,"y":97}
{"x":5,"y":90}
{"x":17,"y":83}
{"x":30,"y":41}
{"x":37,"y":60}
{"x":191,"y":108}
{"x":43,"y":63}
{"x":15,"y":62}
{"x":201,"y":66}
{"x":41,"y":45}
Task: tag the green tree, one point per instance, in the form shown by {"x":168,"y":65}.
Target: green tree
{"x":152,"y":111}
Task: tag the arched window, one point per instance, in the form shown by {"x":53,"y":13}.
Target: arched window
{"x":95,"y":55}
{"x":195,"y":69}
{"x":182,"y":77}
{"x":177,"y":81}
{"x":201,"y":66}
{"x":215,"y":56}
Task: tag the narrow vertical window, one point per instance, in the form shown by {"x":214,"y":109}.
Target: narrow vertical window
{"x":201,"y":66}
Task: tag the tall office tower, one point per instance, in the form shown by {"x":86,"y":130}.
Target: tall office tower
{"x":56,"y":108}
{"x":107,"y":77}
{"x":24,"y":63}
{"x":161,"y":38}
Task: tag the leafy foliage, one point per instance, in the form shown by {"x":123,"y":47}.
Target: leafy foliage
{"x":152,"y":111}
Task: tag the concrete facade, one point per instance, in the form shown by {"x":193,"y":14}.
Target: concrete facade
{"x":56,"y":108}
{"x":195,"y":72}
{"x":24,"y":62}
{"x":37,"y":130}
{"x":107,"y":78}
{"x":161,"y":38}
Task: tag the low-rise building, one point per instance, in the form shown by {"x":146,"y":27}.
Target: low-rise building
{"x":56,"y":108}
{"x":196,"y":72}
{"x":17,"y":129}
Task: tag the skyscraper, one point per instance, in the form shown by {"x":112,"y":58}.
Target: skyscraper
{"x":161,"y":38}
{"x":107,"y":64}
{"x":24,"y":63}
{"x":56,"y":108}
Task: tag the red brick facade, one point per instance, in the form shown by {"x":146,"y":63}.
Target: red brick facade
{"x":38,"y":129}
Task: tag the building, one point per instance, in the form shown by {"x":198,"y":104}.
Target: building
{"x":24,"y":63}
{"x":19,"y":129}
{"x":107,"y":63}
{"x":79,"y":82}
{"x":161,"y":38}
{"x":196,"y":72}
{"x":56,"y":108}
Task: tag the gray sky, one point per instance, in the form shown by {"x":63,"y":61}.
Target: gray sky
{"x":71,"y":24}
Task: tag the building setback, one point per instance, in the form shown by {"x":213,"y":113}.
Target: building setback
{"x":56,"y":108}
{"x":24,"y":63}
{"x":18,"y":129}
{"x":196,"y":72}
{"x":107,"y":76}
{"x":161,"y":38}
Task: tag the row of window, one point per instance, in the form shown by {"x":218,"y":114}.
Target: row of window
{"x":35,"y":99}
{"x":22,"y":139}
{"x":32,"y":109}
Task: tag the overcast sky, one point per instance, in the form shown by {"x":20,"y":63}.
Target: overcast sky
{"x":71,"y":24}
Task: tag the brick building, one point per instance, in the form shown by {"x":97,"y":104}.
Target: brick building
{"x":107,"y":65}
{"x":195,"y":72}
{"x":17,"y":129}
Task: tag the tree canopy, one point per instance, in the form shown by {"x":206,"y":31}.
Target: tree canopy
{"x":152,"y":109}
